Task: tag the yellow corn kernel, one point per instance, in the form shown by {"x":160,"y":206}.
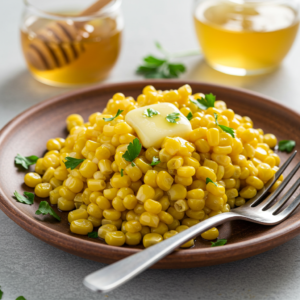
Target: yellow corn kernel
{"x":102,"y":152}
{"x":161,"y":229}
{"x":117,"y":204}
{"x":190,"y":222}
{"x":96,"y":185}
{"x":228,"y":171}
{"x":169,"y":234}
{"x":149,"y":219}
{"x":188,"y":244}
{"x":165,"y":203}
{"x":214,"y":202}
{"x":176,"y":192}
{"x":152,"y":206}
{"x":202,"y":146}
{"x":211,"y":164}
{"x":32,"y":179}
{"x":111,"y":214}
{"x":54,"y":196}
{"x":81,"y":226}
{"x":151,"y":239}
{"x":133,"y":172}
{"x":51,"y":161}
{"x":74,"y":120}
{"x":143,"y":166}
{"x":186,"y":171}
{"x":255,"y":182}
{"x":239,"y":201}
{"x":122,"y":128}
{"x":229,"y":183}
{"x":115,"y":238}
{"x":133,"y":239}
{"x":165,"y":217}
{"x":164,"y":180}
{"x":88,"y":168}
{"x":175,"y":162}
{"x":110,"y":194}
{"x":218,"y":190}
{"x":133,"y":226}
{"x":136,"y":185}
{"x":185,"y":181}
{"x":123,"y":192}
{"x":53,"y":144}
{"x":205,"y":172}
{"x":103,"y":203}
{"x":265,"y":172}
{"x":75,"y":185}
{"x":60,"y":173}
{"x":93,"y":197}
{"x":270,"y":140}
{"x":43,"y":190}
{"x":196,"y":204}
{"x":174,"y":224}
{"x":248,"y":192}
{"x":95,"y":221}
{"x":195,"y":214}
{"x":172,"y":145}
{"x":118,"y":181}
{"x":130,"y":201}
{"x":222,"y":149}
{"x":77,"y":214}
{"x":105,"y":167}
{"x":145,"y":192}
{"x":104,"y":229}
{"x":191,"y":161}
{"x":244,"y":173}
{"x":210,"y":234}
{"x":213,"y":137}
{"x":232,"y":193}
{"x":94,"y":210}
{"x":175,"y":214}
{"x":181,"y":205}
{"x":64,"y":204}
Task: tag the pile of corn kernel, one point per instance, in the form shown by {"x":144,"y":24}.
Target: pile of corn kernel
{"x":149,"y":204}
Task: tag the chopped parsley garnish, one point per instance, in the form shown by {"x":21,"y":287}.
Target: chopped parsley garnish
{"x":93,"y":235}
{"x":286,"y":145}
{"x":28,"y":197}
{"x":112,"y":118}
{"x":189,"y":116}
{"x":172,"y":118}
{"x":133,"y":151}
{"x":122,"y":172}
{"x":155,"y":161}
{"x":27,"y":161}
{"x":205,"y":103}
{"x":218,"y":243}
{"x":209,"y":180}
{"x":45,"y":209}
{"x":150,"y":112}
{"x":223,"y":127}
{"x":72,"y":163}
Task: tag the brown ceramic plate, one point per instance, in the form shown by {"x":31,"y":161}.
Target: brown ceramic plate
{"x":28,"y":133}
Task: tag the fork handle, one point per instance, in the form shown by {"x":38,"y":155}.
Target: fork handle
{"x":112,"y":276}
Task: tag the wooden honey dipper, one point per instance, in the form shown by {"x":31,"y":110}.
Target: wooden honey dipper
{"x":58,"y":44}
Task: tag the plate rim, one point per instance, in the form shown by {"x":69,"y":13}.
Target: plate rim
{"x":72,"y":244}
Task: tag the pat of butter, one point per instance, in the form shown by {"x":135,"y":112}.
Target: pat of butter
{"x":152,"y":130}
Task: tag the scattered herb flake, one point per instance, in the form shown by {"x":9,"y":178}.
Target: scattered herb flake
{"x":189,"y":116}
{"x":27,"y":161}
{"x":72,"y":163}
{"x":286,"y":145}
{"x":155,"y":161}
{"x":45,"y":209}
{"x":28,"y":198}
{"x":93,"y":235}
{"x":209,"y":180}
{"x":223,"y":127}
{"x":218,"y":243}
{"x":122,"y":172}
{"x":112,"y":118}
{"x":150,"y":112}
{"x":133,"y":151}
{"x":172,"y":118}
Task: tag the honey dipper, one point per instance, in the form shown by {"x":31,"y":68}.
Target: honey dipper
{"x":58,"y":44}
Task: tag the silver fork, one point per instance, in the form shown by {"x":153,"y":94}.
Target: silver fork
{"x":112,"y":276}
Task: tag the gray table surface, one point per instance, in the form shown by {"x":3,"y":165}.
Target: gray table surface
{"x":38,"y":271}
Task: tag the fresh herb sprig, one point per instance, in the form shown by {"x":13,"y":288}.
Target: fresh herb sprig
{"x":21,"y":298}
{"x":122,"y":172}
{"x":220,"y":242}
{"x":155,"y":161}
{"x":1,"y":293}
{"x":223,"y":127}
{"x":28,"y":198}
{"x":93,"y":235}
{"x":154,"y":67}
{"x":286,"y":145}
{"x":150,"y":112}
{"x":112,"y":118}
{"x":206,"y":102}
{"x":189,"y":116}
{"x":25,"y":161}
{"x":133,"y":151}
{"x":72,"y":163}
{"x":45,"y":209}
{"x":173,"y":117}
{"x":209,"y":180}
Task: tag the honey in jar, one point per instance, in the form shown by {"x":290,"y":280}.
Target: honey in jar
{"x":245,"y":37}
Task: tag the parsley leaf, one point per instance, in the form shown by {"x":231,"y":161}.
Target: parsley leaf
{"x":1,"y":293}
{"x":122,"y":172}
{"x":205,"y":103}
{"x":112,"y":118}
{"x":93,"y":235}
{"x":155,"y":161}
{"x":45,"y":209}
{"x":26,"y":199}
{"x":189,"y":116}
{"x":221,"y":242}
{"x":21,"y":298}
{"x":150,"y":112}
{"x":286,"y":145}
{"x":209,"y":180}
{"x":72,"y":163}
{"x":223,"y":127}
{"x":27,"y":161}
{"x":172,"y":118}
{"x":133,"y":151}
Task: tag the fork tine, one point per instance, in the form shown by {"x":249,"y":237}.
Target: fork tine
{"x":266,"y":202}
{"x":270,"y":183}
{"x":287,"y":211}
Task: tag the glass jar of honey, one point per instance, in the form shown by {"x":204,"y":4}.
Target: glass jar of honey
{"x":64,"y":47}
{"x":246,"y":37}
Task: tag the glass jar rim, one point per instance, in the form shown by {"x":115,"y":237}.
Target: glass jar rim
{"x":106,"y":10}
